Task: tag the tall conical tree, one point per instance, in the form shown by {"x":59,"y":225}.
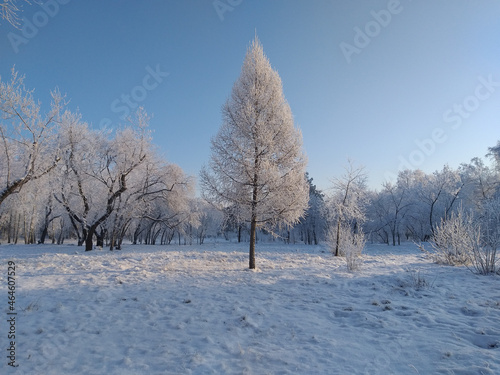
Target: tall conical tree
{"x":257,"y":161}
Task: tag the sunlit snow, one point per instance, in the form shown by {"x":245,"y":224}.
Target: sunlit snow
{"x":199,"y":310}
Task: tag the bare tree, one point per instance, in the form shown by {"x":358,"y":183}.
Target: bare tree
{"x":257,"y":162}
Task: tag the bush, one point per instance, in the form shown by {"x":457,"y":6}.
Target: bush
{"x":351,"y":245}
{"x":452,"y":240}
{"x":460,"y":241}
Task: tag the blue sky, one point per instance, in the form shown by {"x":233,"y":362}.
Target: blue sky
{"x":389,"y":84}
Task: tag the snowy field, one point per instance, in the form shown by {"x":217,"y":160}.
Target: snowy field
{"x":198,"y":310}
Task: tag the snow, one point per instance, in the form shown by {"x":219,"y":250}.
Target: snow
{"x":198,"y":310}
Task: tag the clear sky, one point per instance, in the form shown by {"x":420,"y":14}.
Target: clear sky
{"x":389,"y":84}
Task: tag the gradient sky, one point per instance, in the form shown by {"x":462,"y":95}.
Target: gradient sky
{"x":389,"y":84}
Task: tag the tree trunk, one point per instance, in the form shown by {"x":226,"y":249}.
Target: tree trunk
{"x":45,"y":231}
{"x":253,"y":227}
{"x":337,"y":242}
{"x":9,"y":228}
{"x":88,"y":240}
{"x":100,"y":238}
{"x":119,"y":244}
{"x":137,"y":232}
{"x":253,"y":222}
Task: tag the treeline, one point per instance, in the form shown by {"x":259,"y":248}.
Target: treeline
{"x":60,"y":179}
{"x":409,"y":209}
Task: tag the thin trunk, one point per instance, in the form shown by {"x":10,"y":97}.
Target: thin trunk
{"x":253,"y":227}
{"x":100,"y":238}
{"x":9,"y":228}
{"x":337,"y":242}
{"x":253,"y":223}
{"x":45,"y":231}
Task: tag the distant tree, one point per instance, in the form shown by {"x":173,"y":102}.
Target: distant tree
{"x":379,"y":216}
{"x":311,"y":226}
{"x":346,"y":206}
{"x":440,"y":192}
{"x":416,"y":222}
{"x":210,"y":221}
{"x":233,"y":222}
{"x":257,"y":161}
{"x":494,"y":153}
{"x":164,"y":201}
{"x":481,"y":182}
{"x":399,"y":206}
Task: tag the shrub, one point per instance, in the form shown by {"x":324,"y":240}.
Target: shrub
{"x":461,"y":241}
{"x":452,"y":239}
{"x":351,"y":245}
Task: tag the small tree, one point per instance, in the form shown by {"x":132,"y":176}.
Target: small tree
{"x":257,"y":162}
{"x":346,"y":206}
{"x":350,"y":244}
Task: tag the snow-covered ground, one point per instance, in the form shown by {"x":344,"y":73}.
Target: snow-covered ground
{"x":198,"y":310}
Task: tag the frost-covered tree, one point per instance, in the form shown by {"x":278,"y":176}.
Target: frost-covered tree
{"x":164,"y":202}
{"x":95,"y":171}
{"x":26,"y":133}
{"x":398,"y":204}
{"x":312,"y":226}
{"x":233,"y":222}
{"x":73,"y":188}
{"x":480,"y":183}
{"x":439,"y":192}
{"x":347,"y":204}
{"x":257,"y":161}
{"x":416,"y":221}
{"x":494,"y":153}
{"x":211,"y":221}
{"x":379,"y":216}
